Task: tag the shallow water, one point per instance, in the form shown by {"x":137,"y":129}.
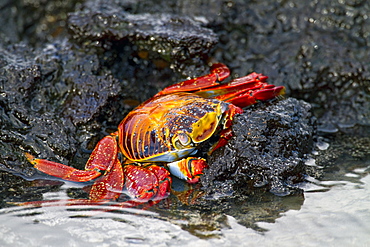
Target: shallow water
{"x":334,"y":213}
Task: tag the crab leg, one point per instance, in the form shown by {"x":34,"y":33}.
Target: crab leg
{"x":102,"y":158}
{"x":249,"y":82}
{"x":251,"y":97}
{"x":218,"y":73}
{"x":62,"y":171}
{"x":243,"y":91}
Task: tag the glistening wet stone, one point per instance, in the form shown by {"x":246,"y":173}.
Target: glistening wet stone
{"x":180,"y":42}
{"x":268,"y":150}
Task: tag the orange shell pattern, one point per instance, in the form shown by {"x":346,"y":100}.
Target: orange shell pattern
{"x":146,"y":133}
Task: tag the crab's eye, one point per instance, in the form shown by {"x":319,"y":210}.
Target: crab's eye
{"x":181,"y":140}
{"x":184,"y":139}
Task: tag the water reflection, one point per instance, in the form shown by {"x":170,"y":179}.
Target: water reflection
{"x":80,"y":226}
{"x":338,"y":217}
{"x":203,"y":219}
{"x":338,"y":209}
{"x":342,"y":213}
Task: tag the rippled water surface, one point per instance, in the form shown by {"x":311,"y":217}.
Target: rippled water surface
{"x":334,"y":213}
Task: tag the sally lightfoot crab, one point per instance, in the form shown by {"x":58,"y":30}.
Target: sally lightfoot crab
{"x":161,"y":136}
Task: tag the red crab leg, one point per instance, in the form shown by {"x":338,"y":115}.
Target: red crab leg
{"x":103,"y":157}
{"x":251,"y":97}
{"x":62,"y":171}
{"x":218,"y":73}
{"x":243,"y":91}
{"x":251,"y":81}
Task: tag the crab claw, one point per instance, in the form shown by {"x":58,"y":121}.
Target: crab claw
{"x":164,"y":181}
{"x":147,"y":183}
{"x":189,"y":169}
{"x":110,"y":185}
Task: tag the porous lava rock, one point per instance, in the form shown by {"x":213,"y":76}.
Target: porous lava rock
{"x":268,"y":150}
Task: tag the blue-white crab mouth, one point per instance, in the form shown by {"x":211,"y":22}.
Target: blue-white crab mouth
{"x":173,"y":155}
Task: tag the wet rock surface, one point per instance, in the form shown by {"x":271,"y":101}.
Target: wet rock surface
{"x":169,"y":40}
{"x":268,"y":150}
{"x":69,"y":76}
{"x":41,"y":101}
{"x":34,"y":22}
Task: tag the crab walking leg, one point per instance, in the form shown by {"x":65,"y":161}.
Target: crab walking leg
{"x":189,"y":169}
{"x":227,"y":90}
{"x":103,"y":158}
{"x":253,"y":96}
{"x":219,"y":72}
{"x":243,"y":91}
{"x":62,"y":171}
